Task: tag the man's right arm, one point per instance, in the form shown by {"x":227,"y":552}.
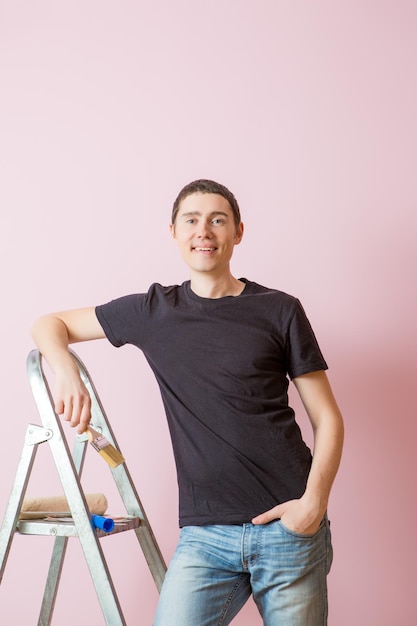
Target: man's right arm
{"x":52,"y":334}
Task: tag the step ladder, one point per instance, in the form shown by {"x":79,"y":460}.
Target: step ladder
{"x":69,"y":466}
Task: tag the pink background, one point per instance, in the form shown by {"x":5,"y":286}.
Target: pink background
{"x":307,"y":111}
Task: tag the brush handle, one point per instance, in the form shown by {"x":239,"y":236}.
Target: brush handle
{"x":92,"y":434}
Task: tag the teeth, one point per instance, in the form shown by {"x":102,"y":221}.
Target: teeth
{"x":204,"y":249}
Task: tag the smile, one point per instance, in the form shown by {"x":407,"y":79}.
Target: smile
{"x":204,"y":249}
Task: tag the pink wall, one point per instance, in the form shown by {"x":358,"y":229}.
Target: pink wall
{"x":307,"y":111}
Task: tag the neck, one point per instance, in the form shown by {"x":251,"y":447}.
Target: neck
{"x":207,"y":286}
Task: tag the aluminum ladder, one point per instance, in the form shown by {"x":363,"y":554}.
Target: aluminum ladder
{"x":69,"y":466}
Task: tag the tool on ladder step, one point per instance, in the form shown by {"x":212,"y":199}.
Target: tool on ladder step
{"x":38,"y":508}
{"x":104,"y":523}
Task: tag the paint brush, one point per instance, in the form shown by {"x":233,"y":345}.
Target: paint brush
{"x":110,"y":454}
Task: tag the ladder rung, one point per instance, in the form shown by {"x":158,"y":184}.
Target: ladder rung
{"x":60,"y":528}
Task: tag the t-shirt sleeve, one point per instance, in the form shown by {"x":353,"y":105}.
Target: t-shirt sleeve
{"x":121,"y":319}
{"x":302,"y":350}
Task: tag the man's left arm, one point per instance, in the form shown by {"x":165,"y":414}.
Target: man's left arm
{"x":305,"y":514}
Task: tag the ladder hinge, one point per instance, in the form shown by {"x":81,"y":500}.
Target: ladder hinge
{"x":37,"y":434}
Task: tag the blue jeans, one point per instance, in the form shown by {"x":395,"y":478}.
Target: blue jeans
{"x":215,"y":569}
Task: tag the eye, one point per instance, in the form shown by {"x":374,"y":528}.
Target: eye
{"x":217,"y":221}
{"x":190,"y":220}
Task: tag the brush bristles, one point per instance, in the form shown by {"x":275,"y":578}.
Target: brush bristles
{"x":112,"y":456}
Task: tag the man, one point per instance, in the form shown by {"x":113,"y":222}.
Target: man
{"x":253,"y":500}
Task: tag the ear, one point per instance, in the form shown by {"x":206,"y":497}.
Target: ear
{"x":172,"y":230}
{"x":239,"y":233}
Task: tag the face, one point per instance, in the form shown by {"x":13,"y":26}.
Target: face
{"x":206,"y":233}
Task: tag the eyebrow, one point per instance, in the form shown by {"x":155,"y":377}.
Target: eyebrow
{"x":198,"y":214}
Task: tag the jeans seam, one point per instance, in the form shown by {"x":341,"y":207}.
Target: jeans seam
{"x":229,"y":600}
{"x":329,"y":548}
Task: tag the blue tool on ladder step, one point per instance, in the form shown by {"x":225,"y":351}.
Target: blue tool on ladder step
{"x":102,"y":522}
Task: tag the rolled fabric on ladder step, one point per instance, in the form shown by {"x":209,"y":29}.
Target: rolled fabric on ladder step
{"x":40,"y":507}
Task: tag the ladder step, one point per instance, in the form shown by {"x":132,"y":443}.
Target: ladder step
{"x":61,"y":528}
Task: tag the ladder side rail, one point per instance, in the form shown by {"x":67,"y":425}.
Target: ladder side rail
{"x":70,"y":481}
{"x":98,"y":414}
{"x":125,"y":484}
{"x":58,"y":443}
{"x":121,"y":473}
{"x":58,"y":553}
{"x":52,"y":581}
{"x":144,"y":532}
{"x":15,"y":501}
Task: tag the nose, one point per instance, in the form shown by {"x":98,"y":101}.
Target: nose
{"x":204,"y":230}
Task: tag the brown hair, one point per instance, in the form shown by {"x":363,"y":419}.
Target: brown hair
{"x":207,"y":186}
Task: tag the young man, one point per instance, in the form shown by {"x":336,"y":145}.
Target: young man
{"x":253,"y":500}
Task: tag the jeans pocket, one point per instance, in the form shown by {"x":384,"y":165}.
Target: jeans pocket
{"x":293,"y":533}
